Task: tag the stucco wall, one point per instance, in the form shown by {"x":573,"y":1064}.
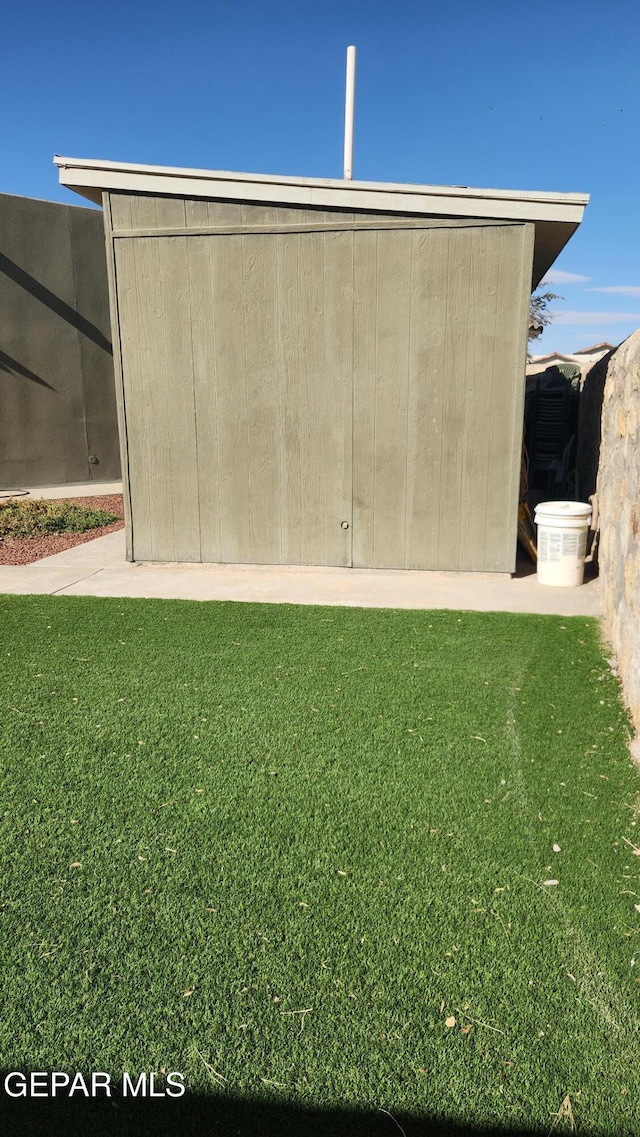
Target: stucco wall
{"x":57,"y":393}
{"x":618,"y":490}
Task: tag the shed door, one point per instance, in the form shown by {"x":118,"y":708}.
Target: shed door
{"x":439,"y":352}
{"x":237,"y":354}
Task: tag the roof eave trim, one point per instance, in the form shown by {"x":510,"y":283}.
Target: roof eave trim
{"x":89,"y":175}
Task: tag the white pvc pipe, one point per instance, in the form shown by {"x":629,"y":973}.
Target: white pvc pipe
{"x":348,"y":113}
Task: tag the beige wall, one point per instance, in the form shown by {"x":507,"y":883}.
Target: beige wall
{"x":58,"y":420}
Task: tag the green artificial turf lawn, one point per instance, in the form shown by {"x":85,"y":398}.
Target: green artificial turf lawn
{"x":276,"y":848}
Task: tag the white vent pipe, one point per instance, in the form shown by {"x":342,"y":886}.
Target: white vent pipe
{"x":348,"y":113}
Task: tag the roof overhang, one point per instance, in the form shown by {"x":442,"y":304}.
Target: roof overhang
{"x":556,"y":216}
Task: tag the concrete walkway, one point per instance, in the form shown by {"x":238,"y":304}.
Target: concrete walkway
{"x":86,"y":489}
{"x":99,"y":568}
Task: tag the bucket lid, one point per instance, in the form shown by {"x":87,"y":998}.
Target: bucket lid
{"x":563,"y":509}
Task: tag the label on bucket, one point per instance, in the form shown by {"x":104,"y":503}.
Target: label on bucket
{"x":549,"y":544}
{"x":569,"y":544}
{"x":553,"y":544}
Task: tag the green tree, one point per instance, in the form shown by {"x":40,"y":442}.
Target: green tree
{"x":539,"y":314}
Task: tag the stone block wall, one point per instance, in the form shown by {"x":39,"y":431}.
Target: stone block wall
{"x":590,"y":426}
{"x":618,"y":489}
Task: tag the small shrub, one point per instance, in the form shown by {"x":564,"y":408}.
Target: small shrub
{"x":42,"y":518}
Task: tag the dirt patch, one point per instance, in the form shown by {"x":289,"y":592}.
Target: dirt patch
{"x":26,"y":550}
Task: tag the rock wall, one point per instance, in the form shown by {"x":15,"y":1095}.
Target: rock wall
{"x":618,"y":489}
{"x":590,"y":426}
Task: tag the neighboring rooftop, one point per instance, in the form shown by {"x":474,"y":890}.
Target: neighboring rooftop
{"x":584,"y":359}
{"x":583,"y":356}
{"x":551,"y":357}
{"x":597,"y":347}
{"x":556,"y":215}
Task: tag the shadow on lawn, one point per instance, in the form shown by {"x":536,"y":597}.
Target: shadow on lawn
{"x":200,"y":1115}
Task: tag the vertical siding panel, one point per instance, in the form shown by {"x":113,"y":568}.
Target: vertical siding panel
{"x":224,"y":213}
{"x":143,"y":212}
{"x":481,"y":348}
{"x":142,"y":340}
{"x":196,"y":212}
{"x":338,"y":307}
{"x":121,"y":211}
{"x":158,"y":376}
{"x":231,"y":396}
{"x":252,"y":213}
{"x":263,"y":396}
{"x":520,"y":346}
{"x":511,"y":306}
{"x":170,"y":211}
{"x":121,"y":403}
{"x":430,"y":252}
{"x":178,"y":390}
{"x":297,"y":507}
{"x":290,"y":216}
{"x":456,"y":287}
{"x":391,"y":398}
{"x":298,"y":469}
{"x":291,"y":409}
{"x":203,"y":332}
{"x":315,"y":450}
{"x":364,"y":387}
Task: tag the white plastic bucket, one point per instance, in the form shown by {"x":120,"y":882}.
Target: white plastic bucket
{"x":562,"y":542}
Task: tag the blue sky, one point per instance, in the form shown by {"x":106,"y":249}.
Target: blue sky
{"x":494,"y":94}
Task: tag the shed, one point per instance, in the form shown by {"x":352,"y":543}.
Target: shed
{"x":320,"y":372}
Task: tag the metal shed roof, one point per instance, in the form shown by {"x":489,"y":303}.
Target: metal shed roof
{"x":556,"y":216}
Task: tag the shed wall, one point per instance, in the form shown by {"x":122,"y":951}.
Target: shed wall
{"x":311,"y":387}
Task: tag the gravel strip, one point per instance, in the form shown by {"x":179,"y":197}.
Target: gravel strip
{"x":26,"y":550}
